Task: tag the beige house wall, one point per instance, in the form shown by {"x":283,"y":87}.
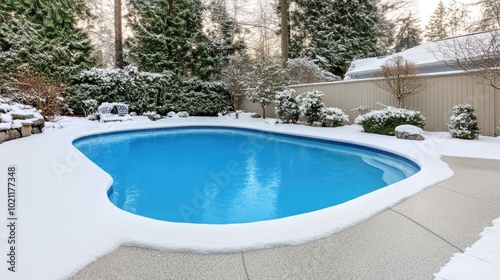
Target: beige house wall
{"x":435,"y":102}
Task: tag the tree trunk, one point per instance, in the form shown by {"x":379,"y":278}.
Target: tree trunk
{"x":118,"y":35}
{"x":284,"y":33}
{"x":263,"y":112}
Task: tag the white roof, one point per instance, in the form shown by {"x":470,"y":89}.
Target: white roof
{"x":427,"y":57}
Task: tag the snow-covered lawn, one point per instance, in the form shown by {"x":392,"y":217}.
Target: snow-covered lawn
{"x":65,"y":220}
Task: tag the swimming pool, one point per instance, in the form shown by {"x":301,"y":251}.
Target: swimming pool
{"x":216,"y":175}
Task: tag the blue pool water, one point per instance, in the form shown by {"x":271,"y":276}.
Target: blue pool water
{"x":224,"y":175}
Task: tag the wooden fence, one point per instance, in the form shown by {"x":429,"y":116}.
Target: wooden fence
{"x":435,"y":102}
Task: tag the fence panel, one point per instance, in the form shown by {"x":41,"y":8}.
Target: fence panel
{"x":435,"y":102}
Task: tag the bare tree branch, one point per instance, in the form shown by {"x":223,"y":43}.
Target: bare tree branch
{"x":477,"y":54}
{"x":400,"y":77}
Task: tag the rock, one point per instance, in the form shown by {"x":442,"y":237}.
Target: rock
{"x":26,"y":130}
{"x":3,"y":136}
{"x":16,"y":116}
{"x":317,"y":124}
{"x":13,"y":134}
{"x":36,"y":130}
{"x":409,"y":132}
{"x":255,"y":116}
{"x":38,"y":122}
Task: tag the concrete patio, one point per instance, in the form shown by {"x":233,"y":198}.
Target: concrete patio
{"x":411,"y":240}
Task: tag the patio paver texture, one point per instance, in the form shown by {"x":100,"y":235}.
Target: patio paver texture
{"x":411,"y":240}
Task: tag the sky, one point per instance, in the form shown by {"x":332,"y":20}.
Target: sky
{"x":427,"y":7}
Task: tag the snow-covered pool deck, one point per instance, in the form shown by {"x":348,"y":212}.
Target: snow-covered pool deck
{"x":411,"y":240}
{"x":66,"y":222}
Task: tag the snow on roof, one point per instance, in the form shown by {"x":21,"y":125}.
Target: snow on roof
{"x":428,"y":57}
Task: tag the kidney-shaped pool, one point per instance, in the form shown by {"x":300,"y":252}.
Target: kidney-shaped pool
{"x":220,"y":175}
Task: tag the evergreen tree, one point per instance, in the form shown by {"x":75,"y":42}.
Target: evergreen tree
{"x":42,"y":36}
{"x":168,"y":36}
{"x":436,"y":28}
{"x":457,"y":20}
{"x":408,"y":35}
{"x":224,"y":33}
{"x":334,"y":33}
{"x":490,"y":9}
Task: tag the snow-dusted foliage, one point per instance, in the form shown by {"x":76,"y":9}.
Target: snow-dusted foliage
{"x":311,"y":106}
{"x":334,"y":32}
{"x":333,"y":117}
{"x":43,"y":38}
{"x":463,"y":122}
{"x":305,"y":71}
{"x":90,"y":107}
{"x":144,"y":91}
{"x":168,"y":35}
{"x":265,"y":79}
{"x":287,"y":106}
{"x":386,"y":120}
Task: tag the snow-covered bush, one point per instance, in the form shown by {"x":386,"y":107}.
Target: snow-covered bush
{"x":463,"y":122}
{"x":152,"y":115}
{"x":264,"y":81}
{"x":311,"y":106}
{"x":183,"y":114}
{"x":333,"y":117}
{"x":90,"y":107}
{"x":287,"y":106}
{"x":31,"y":88}
{"x":144,"y":91}
{"x":200,"y":98}
{"x":386,"y":120}
{"x":305,"y":71}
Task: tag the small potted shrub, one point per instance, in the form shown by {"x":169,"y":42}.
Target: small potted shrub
{"x":463,"y":122}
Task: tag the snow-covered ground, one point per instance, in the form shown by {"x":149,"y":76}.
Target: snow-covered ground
{"x":65,"y":220}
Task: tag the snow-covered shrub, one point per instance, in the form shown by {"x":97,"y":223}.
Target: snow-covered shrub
{"x":287,"y":106}
{"x":311,"y":106}
{"x":90,"y":107}
{"x":200,"y":98}
{"x":140,"y":90}
{"x":144,"y":91}
{"x":31,"y":88}
{"x":264,"y":81}
{"x":305,"y":71}
{"x":171,"y":114}
{"x":183,"y":114}
{"x":333,"y":117}
{"x":463,"y":122}
{"x":386,"y":120}
{"x":152,"y":115}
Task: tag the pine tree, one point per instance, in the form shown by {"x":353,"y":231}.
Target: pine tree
{"x":42,"y":36}
{"x":490,"y":9}
{"x":436,"y":28}
{"x":224,"y":34}
{"x":457,"y":20}
{"x":168,"y":36}
{"x":334,"y":33}
{"x":408,"y":35}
